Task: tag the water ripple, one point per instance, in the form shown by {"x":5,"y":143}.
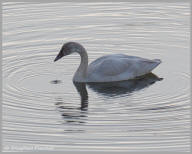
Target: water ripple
{"x":41,"y":104}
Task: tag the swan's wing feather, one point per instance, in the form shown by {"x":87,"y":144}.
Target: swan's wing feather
{"x":103,"y":58}
{"x":120,"y":67}
{"x":108,"y":65}
{"x":113,"y":67}
{"x":144,"y":66}
{"x":134,"y":65}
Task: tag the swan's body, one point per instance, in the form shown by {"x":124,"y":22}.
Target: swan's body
{"x":115,"y":67}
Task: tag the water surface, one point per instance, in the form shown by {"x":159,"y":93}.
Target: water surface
{"x":44,"y":110}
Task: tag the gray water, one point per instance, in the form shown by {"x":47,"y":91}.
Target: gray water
{"x":44,"y":110}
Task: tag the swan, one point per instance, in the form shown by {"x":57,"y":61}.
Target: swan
{"x":109,"y":68}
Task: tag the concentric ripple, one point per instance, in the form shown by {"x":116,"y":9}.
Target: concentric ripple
{"x":44,"y":110}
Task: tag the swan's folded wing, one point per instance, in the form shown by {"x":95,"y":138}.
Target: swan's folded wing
{"x":134,"y":67}
{"x":113,"y":67}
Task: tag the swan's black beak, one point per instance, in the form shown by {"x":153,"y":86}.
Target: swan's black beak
{"x":60,"y":55}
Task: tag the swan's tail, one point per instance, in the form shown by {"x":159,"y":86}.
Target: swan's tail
{"x":154,"y":64}
{"x":147,"y":66}
{"x":158,"y":61}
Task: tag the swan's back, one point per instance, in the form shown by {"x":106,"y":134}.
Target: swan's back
{"x":119,"y":67}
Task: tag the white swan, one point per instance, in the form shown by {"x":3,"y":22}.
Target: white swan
{"x":115,"y":67}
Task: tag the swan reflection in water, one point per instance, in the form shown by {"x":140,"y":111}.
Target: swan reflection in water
{"x":110,"y":89}
{"x":71,"y":114}
{"x":124,"y":87}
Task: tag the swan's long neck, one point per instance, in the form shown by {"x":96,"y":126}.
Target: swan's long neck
{"x":81,"y":72}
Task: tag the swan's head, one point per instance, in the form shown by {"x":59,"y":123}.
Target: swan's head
{"x":69,"y":48}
